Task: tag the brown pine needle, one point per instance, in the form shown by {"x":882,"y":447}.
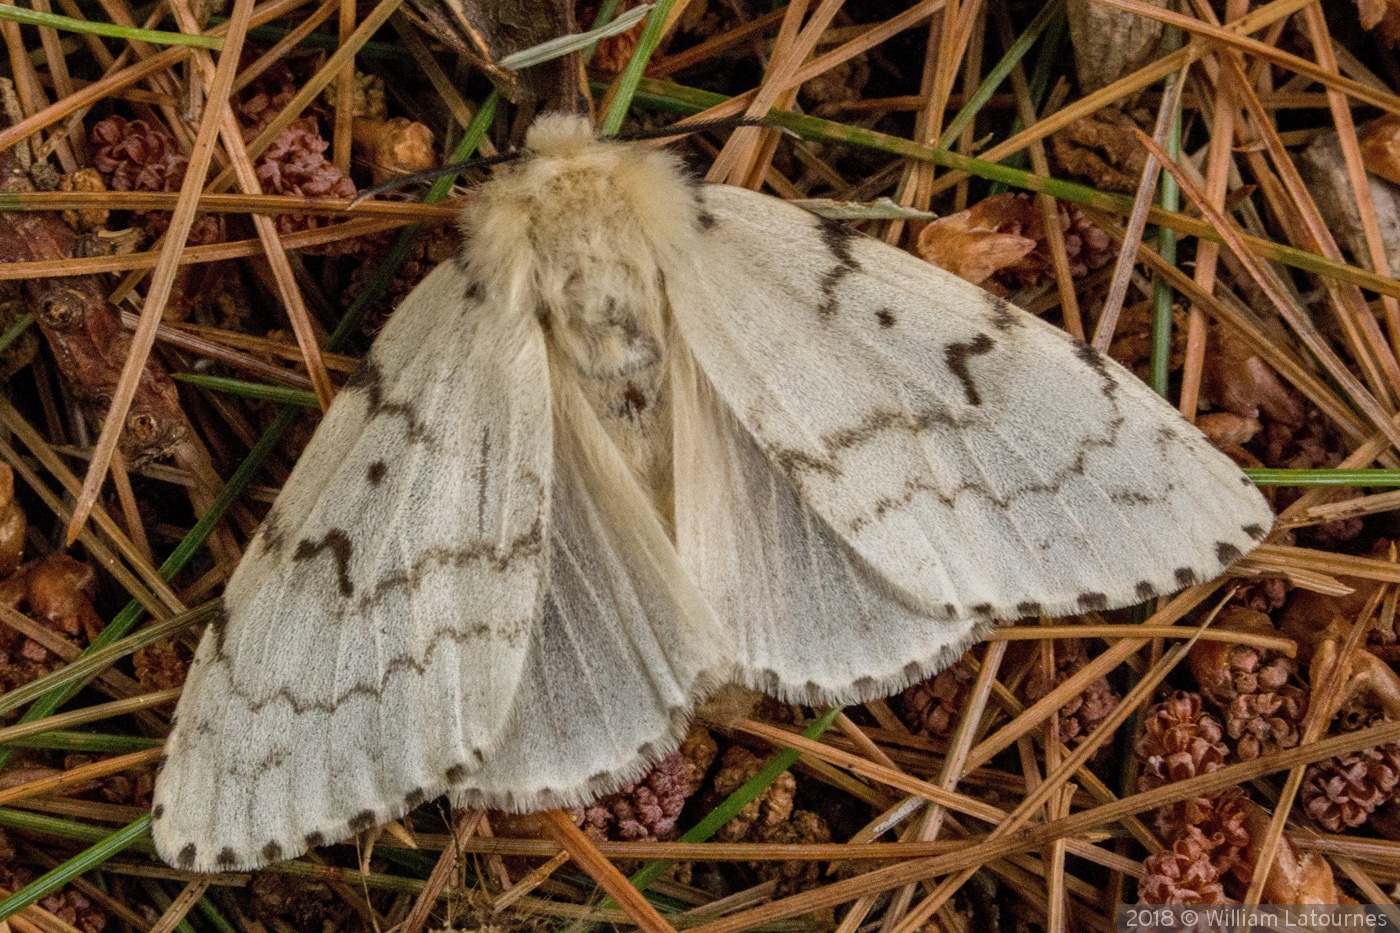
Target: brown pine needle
{"x":561,"y":826}
{"x":164,"y":276}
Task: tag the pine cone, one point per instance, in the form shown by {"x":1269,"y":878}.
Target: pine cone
{"x":135,"y":156}
{"x":933,"y":707}
{"x":1343,"y":792}
{"x":1084,"y":712}
{"x":1258,"y":690}
{"x":772,"y":807}
{"x":642,"y":810}
{"x":1264,"y":723}
{"x":295,"y":164}
{"x":803,"y":826}
{"x":76,"y":910}
{"x":1219,"y":818}
{"x":1183,"y":874}
{"x":1179,"y":741}
{"x":1225,"y":671}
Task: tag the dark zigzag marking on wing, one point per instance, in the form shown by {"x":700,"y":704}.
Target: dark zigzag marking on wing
{"x":501,"y":558}
{"x":956,"y":355}
{"x":915,"y":487}
{"x":525,"y":545}
{"x":368,"y":379}
{"x":338,"y":543}
{"x":396,"y":664}
{"x":837,"y":238}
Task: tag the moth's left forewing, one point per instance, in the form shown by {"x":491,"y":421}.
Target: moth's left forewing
{"x":980,"y":460}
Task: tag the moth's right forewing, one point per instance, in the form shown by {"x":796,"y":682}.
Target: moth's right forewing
{"x":981,"y":461}
{"x":393,"y":584}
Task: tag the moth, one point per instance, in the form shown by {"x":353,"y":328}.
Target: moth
{"x":643,"y":437}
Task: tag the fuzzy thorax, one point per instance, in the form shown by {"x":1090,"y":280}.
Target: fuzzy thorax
{"x":572,"y":236}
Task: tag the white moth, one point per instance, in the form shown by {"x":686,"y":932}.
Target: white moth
{"x":641,"y":438}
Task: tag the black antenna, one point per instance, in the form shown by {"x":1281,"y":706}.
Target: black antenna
{"x":704,"y":126}
{"x":664,"y":132}
{"x":433,"y":174}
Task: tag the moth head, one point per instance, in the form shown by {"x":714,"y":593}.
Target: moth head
{"x":559,"y":134}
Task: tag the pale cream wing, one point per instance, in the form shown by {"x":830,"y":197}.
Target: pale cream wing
{"x":812,"y":620}
{"x":624,"y":646}
{"x":377,"y":627}
{"x":979,"y":461}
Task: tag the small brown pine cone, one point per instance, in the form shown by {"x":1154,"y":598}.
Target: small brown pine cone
{"x":1084,"y":712}
{"x":699,"y":750}
{"x":73,"y":908}
{"x":1179,"y":740}
{"x":1088,"y":247}
{"x":1183,"y":874}
{"x":1263,"y":723}
{"x":803,"y":826}
{"x":642,"y":810}
{"x":295,"y":163}
{"x":933,"y":707}
{"x":133,"y":155}
{"x":1225,"y":671}
{"x":772,"y":807}
{"x":1343,"y":792}
{"x":1220,"y":820}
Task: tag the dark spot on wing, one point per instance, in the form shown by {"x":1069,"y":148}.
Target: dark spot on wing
{"x":415,"y":799}
{"x":227,"y":859}
{"x":473,"y":292}
{"x":1029,"y":609}
{"x":315,"y":840}
{"x":634,"y":401}
{"x":886,"y":317}
{"x":982,"y":610}
{"x":1227,"y":553}
{"x":1146,"y":590}
{"x":705,"y":219}
{"x":161,"y":762}
{"x":272,"y":851}
{"x":1185,"y":576}
{"x":1093,"y":602}
{"x":456,"y":774}
{"x":338,"y":543}
{"x":187,"y":856}
{"x":957,"y":354}
{"x":376,"y":472}
{"x":362,"y":821}
{"x":158,"y":812}
{"x":1256,"y":532}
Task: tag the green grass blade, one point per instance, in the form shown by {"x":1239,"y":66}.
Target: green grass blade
{"x":100,"y":742}
{"x":1271,"y":477}
{"x":628,"y":81}
{"x":260,"y":390}
{"x":1000,"y":71}
{"x":82,"y":863}
{"x":29,"y":17}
